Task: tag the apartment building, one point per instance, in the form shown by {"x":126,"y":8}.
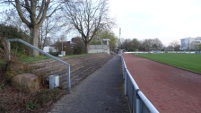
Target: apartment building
{"x":190,"y":43}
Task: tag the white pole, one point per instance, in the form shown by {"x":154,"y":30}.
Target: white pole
{"x":119,"y":38}
{"x":62,"y":45}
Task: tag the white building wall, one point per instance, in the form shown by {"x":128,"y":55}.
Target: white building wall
{"x":47,"y":49}
{"x":186,"y":43}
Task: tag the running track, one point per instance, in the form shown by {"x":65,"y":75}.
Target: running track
{"x":170,"y":89}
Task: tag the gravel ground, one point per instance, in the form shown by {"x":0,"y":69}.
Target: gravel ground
{"x":170,"y":89}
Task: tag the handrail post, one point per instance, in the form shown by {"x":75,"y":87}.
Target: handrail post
{"x":138,"y":106}
{"x":124,"y":76}
{"x":122,"y":65}
{"x":8,"y":46}
{"x":69,"y":81}
{"x":125,"y":84}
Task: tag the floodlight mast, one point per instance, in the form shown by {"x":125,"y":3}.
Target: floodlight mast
{"x":119,"y":38}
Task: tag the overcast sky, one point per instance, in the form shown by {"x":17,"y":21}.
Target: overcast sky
{"x":167,"y":20}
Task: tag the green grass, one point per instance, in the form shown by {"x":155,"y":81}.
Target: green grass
{"x":32,"y":59}
{"x":24,"y":58}
{"x":76,"y":55}
{"x":2,"y":63}
{"x":191,"y":62}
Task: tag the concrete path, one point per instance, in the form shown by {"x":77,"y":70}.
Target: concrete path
{"x":101,"y":92}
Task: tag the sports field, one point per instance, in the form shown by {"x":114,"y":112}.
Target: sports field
{"x":191,"y":62}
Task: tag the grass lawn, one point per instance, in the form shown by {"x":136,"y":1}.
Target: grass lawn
{"x":32,"y":59}
{"x":191,"y":62}
{"x":41,"y":57}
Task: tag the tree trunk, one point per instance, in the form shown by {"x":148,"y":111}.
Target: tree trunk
{"x":86,"y":47}
{"x":34,"y":41}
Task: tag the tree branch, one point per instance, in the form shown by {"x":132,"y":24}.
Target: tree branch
{"x":19,"y":10}
{"x":41,"y":10}
{"x":43,"y":17}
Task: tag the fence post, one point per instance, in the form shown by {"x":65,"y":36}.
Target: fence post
{"x":138,"y":105}
{"x":69,"y":82}
{"x":125,"y":84}
{"x":123,"y":68}
{"x":8,"y":54}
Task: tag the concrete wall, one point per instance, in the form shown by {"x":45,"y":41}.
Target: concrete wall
{"x":98,"y":49}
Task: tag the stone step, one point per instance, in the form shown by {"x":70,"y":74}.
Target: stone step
{"x":76,"y":79}
{"x":81,"y":67}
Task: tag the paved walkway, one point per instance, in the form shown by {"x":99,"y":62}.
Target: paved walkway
{"x":101,"y":92}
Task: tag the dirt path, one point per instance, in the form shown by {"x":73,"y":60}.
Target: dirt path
{"x":170,"y":89}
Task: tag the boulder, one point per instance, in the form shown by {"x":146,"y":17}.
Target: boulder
{"x":28,"y":82}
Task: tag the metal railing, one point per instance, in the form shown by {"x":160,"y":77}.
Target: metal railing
{"x":47,"y":54}
{"x":138,"y":102}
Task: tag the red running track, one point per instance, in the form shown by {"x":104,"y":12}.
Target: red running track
{"x":170,"y":89}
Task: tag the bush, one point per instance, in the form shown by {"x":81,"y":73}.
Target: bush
{"x":54,"y":53}
{"x":11,"y":32}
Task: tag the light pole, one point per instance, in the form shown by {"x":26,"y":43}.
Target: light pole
{"x":119,"y":38}
{"x":62,"y":45}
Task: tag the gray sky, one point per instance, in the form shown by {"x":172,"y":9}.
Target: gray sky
{"x":167,"y":20}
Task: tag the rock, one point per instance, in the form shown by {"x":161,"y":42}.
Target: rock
{"x":28,"y":82}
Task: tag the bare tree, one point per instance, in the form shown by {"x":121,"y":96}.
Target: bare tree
{"x":49,"y":27}
{"x":87,"y":17}
{"x":175,"y":45}
{"x":152,"y":44}
{"x":156,"y":44}
{"x":199,"y":47}
{"x":195,"y":45}
{"x":43,"y":34}
{"x":131,"y":45}
{"x":127,"y":45}
{"x":33,"y":13}
{"x":147,"y":44}
{"x":136,"y":44}
{"x":102,"y":34}
{"x":10,"y":17}
{"x":78,"y":45}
